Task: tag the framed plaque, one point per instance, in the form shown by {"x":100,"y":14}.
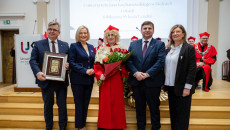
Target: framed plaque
{"x":54,"y":66}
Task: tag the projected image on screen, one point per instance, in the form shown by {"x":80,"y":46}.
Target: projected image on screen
{"x":127,"y":15}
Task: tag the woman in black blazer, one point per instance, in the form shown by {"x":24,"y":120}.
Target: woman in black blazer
{"x":180,"y":71}
{"x":81,"y":60}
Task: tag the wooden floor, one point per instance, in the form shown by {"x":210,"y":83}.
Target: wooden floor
{"x":220,"y":89}
{"x":24,"y":110}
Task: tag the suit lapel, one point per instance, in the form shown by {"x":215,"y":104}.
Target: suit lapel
{"x":82,"y":49}
{"x":181,"y":56}
{"x":139,"y":50}
{"x":46,"y":45}
{"x":60,"y":46}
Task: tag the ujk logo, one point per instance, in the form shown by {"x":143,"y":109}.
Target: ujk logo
{"x":25,"y":50}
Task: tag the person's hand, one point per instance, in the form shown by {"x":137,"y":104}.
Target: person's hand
{"x":145,"y":75}
{"x":200,"y":64}
{"x":90,"y":71}
{"x":139,"y":76}
{"x":41,"y":76}
{"x":102,"y":77}
{"x":67,"y":66}
{"x":186,"y":92}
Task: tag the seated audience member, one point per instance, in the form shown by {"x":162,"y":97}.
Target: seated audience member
{"x":100,"y":44}
{"x":191,"y":40}
{"x":134,"y":38}
{"x":205,"y":57}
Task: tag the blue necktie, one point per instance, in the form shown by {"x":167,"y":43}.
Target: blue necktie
{"x":145,"y":48}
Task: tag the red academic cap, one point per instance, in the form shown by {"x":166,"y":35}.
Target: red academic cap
{"x":100,"y":39}
{"x":111,"y":28}
{"x":204,"y":34}
{"x":134,"y":37}
{"x":191,"y":38}
{"x":158,"y":39}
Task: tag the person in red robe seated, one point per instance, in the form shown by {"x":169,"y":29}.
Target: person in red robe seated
{"x":205,"y":57}
{"x":191,"y":40}
{"x":111,"y":97}
{"x":134,"y":38}
{"x":100,"y":44}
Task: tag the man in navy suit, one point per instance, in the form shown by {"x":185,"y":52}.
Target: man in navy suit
{"x":48,"y":87}
{"x":146,"y":75}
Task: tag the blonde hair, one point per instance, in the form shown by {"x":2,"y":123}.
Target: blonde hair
{"x":77,"y":37}
{"x":171,"y":42}
{"x":114,"y":32}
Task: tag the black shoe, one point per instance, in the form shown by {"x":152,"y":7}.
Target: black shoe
{"x":62,"y":128}
{"x":48,"y":128}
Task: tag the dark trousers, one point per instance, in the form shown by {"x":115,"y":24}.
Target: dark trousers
{"x":143,"y":94}
{"x":82,"y":94}
{"x":179,"y":110}
{"x":48,"y":98}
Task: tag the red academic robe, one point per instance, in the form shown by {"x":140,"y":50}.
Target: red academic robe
{"x":96,"y":48}
{"x":111,"y":99}
{"x":209,"y":51}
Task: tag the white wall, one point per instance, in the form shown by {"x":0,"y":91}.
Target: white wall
{"x":25,"y":24}
{"x":223,"y":40}
{"x":19,"y":6}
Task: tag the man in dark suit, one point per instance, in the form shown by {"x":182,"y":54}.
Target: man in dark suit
{"x":146,"y":75}
{"x":48,"y":87}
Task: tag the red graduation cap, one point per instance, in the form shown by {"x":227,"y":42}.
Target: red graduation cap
{"x":134,"y":37}
{"x":111,"y":28}
{"x":191,"y":38}
{"x":158,"y":38}
{"x":204,"y":34}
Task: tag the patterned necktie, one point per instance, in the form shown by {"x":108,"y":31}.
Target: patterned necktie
{"x":53,"y":47}
{"x":145,"y":48}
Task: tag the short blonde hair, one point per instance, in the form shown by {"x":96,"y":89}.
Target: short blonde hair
{"x":77,"y":37}
{"x":171,"y":42}
{"x":114,"y":32}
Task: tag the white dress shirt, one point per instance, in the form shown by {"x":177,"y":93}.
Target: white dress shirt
{"x":55,"y":44}
{"x":171,"y":62}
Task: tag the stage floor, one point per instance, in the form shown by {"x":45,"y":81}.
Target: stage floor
{"x":220,"y":89}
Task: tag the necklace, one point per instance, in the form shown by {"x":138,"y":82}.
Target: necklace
{"x":202,"y":53}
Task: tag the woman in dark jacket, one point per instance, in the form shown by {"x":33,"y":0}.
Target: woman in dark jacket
{"x":180,"y":71}
{"x":81,"y":60}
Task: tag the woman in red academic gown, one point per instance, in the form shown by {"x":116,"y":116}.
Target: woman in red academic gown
{"x":111,"y":98}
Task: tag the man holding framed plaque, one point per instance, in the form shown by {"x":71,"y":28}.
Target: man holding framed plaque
{"x":49,"y":63}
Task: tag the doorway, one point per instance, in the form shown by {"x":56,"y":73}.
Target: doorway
{"x":8,"y":61}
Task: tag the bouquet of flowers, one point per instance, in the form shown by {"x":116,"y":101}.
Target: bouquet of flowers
{"x":112,"y":62}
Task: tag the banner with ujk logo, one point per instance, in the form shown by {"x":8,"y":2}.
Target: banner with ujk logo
{"x":23,"y":48}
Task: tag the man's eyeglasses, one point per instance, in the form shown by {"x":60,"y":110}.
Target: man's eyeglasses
{"x":54,"y":30}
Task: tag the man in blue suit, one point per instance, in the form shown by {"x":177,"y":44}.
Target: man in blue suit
{"x":48,"y":87}
{"x":146,"y":75}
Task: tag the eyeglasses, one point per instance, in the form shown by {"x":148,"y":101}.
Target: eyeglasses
{"x":51,"y":29}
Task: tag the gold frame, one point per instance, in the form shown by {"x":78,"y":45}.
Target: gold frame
{"x":54,"y":66}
